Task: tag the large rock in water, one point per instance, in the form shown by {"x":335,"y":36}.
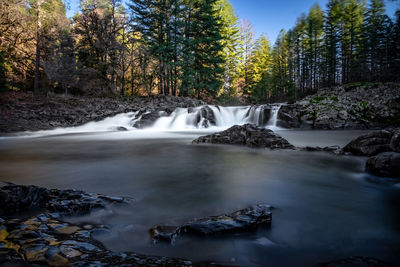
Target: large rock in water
{"x":371,"y":144}
{"x":247,"y":135}
{"x":385,"y":164}
{"x":238,"y":221}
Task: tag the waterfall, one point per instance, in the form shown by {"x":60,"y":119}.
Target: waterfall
{"x":274,"y":117}
{"x":210,"y":116}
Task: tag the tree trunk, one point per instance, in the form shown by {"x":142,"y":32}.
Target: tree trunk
{"x":38,"y":40}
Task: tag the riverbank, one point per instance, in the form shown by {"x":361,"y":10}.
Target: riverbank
{"x":370,"y":106}
{"x":25,"y":112}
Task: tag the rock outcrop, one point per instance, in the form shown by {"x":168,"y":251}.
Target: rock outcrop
{"x":20,"y":198}
{"x":383,"y":149}
{"x":239,"y":221}
{"x":247,"y":135}
{"x":353,"y":106}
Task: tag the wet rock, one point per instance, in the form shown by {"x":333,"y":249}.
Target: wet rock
{"x":395,"y":141}
{"x":370,"y":144}
{"x":148,"y":119}
{"x":47,"y":240}
{"x":34,"y":252}
{"x":70,"y":252}
{"x":208,"y":116}
{"x":16,"y":198}
{"x":67,"y":230}
{"x":286,"y":120}
{"x":355,"y":262}
{"x":385,"y":164}
{"x":247,"y":135}
{"x":239,"y":221}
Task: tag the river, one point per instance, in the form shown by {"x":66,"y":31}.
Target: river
{"x":325,"y":206}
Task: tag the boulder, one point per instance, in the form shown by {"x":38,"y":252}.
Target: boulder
{"x":286,"y":120}
{"x":239,"y":221}
{"x":208,"y":115}
{"x":370,"y":144}
{"x":148,"y":119}
{"x":395,"y":141}
{"x":385,"y":164}
{"x":247,"y":135}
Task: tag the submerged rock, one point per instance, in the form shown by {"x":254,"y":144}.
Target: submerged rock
{"x":239,"y":221}
{"x":385,"y":164}
{"x":247,"y":135}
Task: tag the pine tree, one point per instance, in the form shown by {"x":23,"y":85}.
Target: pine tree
{"x":375,"y":42}
{"x":332,"y":28}
{"x":351,"y":42}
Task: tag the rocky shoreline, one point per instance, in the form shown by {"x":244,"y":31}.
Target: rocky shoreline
{"x":45,"y":239}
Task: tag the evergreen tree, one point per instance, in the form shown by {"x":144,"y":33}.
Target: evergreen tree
{"x":231,"y":42}
{"x":332,"y":28}
{"x":375,"y":41}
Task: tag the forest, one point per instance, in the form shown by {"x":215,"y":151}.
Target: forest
{"x":196,"y":48}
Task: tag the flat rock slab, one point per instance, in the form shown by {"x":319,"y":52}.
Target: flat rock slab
{"x":247,"y":135}
{"x":238,"y":221}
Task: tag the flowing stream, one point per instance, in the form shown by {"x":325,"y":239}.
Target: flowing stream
{"x":326,"y":206}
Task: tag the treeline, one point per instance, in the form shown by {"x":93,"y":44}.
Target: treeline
{"x":192,"y":48}
{"x":184,"y":47}
{"x":352,"y":41}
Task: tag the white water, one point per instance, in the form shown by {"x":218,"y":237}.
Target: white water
{"x":272,"y":123}
{"x":183,"y":119}
{"x":201,"y":119}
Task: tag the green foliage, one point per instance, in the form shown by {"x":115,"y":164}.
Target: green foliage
{"x":318,"y":99}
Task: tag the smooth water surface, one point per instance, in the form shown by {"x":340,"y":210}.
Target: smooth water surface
{"x":325,"y":206}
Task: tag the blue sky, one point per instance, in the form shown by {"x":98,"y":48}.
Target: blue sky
{"x":267,"y":16}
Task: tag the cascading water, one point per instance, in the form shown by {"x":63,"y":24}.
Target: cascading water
{"x":210,"y":116}
{"x":274,"y":117}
